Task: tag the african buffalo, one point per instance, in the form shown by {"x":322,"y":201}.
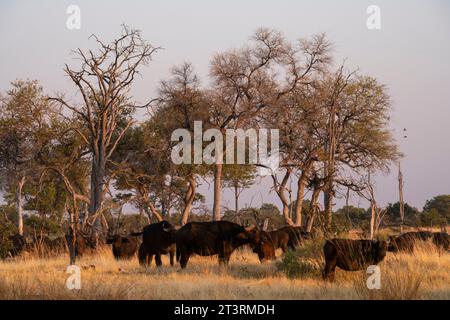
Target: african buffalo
{"x":406,"y":241}
{"x":123,"y":247}
{"x":296,"y":236}
{"x":284,"y":238}
{"x":211,"y":238}
{"x":264,"y":248}
{"x":442,"y":240}
{"x":157,"y":239}
{"x":351,"y":255}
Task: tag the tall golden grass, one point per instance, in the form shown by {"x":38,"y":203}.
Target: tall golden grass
{"x":422,"y":275}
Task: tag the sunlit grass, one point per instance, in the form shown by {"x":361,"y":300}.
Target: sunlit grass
{"x":423,"y":275}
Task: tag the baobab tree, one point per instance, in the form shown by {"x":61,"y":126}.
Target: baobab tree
{"x":104,"y":80}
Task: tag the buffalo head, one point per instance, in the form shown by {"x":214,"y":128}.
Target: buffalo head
{"x":249,"y":235}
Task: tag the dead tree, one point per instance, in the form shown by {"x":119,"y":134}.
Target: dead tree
{"x":400,"y":193}
{"x":104,"y":80}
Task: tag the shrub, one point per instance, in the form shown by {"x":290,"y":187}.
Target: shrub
{"x":6,"y":245}
{"x":305,"y":261}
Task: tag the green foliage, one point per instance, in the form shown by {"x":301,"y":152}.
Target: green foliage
{"x":393,"y":212}
{"x":305,"y":261}
{"x":238,"y":176}
{"x":432,"y":218}
{"x":126,"y":222}
{"x":247,"y":216}
{"x":347,"y":218}
{"x":6,"y":230}
{"x":8,"y":213}
{"x":441,"y":204}
{"x":35,"y":224}
{"x":193,"y":217}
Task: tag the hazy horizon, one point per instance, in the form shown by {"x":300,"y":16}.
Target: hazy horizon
{"x":410,"y":55}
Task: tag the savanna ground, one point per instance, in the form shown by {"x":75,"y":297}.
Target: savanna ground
{"x":422,"y":275}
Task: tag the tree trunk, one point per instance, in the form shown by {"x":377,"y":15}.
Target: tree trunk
{"x":287,"y":219}
{"x":150,"y":210}
{"x":280,"y":192}
{"x":330,"y":148}
{"x":217,"y":191}
{"x":313,"y":209}
{"x":71,"y":236}
{"x":188,"y":200}
{"x":372,"y":218}
{"x":20,"y":205}
{"x":236,"y":200}
{"x":141,"y":214}
{"x":328,"y":204}
{"x":400,"y":193}
{"x":300,"y":197}
{"x":97,"y":191}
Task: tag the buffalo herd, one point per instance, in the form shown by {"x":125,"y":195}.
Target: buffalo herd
{"x":219,"y":238}
{"x":222,"y":238}
{"x":44,"y":245}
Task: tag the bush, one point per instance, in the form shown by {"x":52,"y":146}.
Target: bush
{"x":6,"y":245}
{"x":47,"y":225}
{"x":305,"y":261}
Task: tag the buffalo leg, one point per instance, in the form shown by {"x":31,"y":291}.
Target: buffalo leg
{"x":142,"y":256}
{"x":224,"y":258}
{"x":329,"y":270}
{"x":184,"y":259}
{"x":158,"y":260}
{"x":172,"y":257}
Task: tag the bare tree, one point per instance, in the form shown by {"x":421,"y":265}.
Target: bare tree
{"x":377,"y":213}
{"x":400,"y":193}
{"x":104,"y":80}
{"x":252,"y":79}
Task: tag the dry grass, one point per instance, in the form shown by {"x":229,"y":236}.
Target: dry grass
{"x":424,"y":275}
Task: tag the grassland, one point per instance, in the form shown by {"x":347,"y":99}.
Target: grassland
{"x":423,"y":275}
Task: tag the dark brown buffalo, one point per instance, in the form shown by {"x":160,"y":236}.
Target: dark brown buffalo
{"x":296,"y":237}
{"x":157,"y":239}
{"x":283,"y":238}
{"x":211,"y":238}
{"x":142,"y":255}
{"x":441,"y":240}
{"x":123,"y":247}
{"x":407,"y":241}
{"x":280,"y":238}
{"x":351,"y":255}
{"x":264,"y":248}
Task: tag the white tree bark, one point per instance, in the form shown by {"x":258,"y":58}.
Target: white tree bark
{"x":20,"y":205}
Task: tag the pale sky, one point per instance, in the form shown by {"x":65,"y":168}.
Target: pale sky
{"x":410,"y":54}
